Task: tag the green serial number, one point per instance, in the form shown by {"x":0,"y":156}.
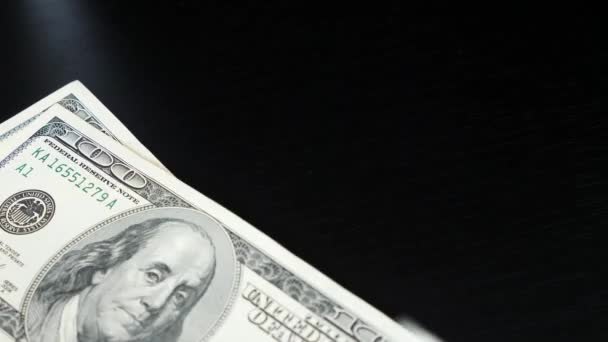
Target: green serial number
{"x":72,"y":176}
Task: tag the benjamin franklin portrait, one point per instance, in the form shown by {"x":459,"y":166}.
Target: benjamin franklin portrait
{"x":138,"y":285}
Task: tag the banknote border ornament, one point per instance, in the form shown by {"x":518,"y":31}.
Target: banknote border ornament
{"x":74,"y":105}
{"x":39,"y":198}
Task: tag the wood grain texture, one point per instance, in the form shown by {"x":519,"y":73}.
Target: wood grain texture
{"x":428,"y":163}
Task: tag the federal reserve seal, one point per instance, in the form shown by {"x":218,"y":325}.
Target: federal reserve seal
{"x":26,"y":212}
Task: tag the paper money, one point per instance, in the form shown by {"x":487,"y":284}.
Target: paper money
{"x":97,"y":244}
{"x":76,"y":98}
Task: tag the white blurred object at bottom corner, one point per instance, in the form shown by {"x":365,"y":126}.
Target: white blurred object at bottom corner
{"x":421,"y":334}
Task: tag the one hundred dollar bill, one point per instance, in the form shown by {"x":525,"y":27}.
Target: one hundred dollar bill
{"x":76,"y":98}
{"x":97,"y":244}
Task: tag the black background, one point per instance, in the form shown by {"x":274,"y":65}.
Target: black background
{"x":426,"y":162}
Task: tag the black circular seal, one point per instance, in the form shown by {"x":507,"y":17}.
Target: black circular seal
{"x":26,"y":212}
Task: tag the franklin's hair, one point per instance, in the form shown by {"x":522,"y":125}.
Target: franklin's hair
{"x":74,"y":271}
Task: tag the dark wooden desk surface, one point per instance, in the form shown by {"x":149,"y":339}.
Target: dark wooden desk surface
{"x":427,"y":163}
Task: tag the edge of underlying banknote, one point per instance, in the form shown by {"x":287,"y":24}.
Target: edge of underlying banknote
{"x":76,"y":98}
{"x":243,"y":234}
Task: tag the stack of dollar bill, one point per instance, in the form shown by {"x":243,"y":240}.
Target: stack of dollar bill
{"x":99,"y":242}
